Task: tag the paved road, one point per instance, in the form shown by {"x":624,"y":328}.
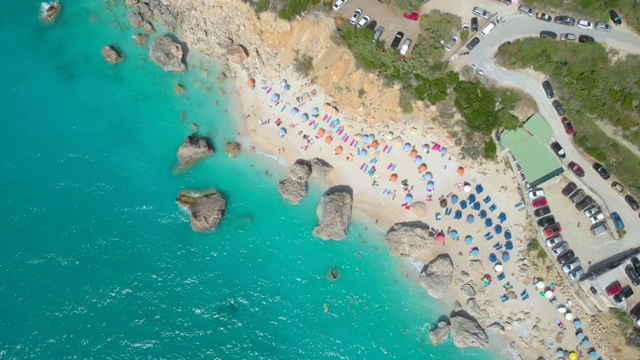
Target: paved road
{"x":519,"y":26}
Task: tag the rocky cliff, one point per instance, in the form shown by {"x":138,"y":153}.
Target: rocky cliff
{"x":334,"y":215}
{"x":409,"y":240}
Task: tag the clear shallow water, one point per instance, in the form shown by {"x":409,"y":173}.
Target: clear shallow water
{"x":97,"y":259}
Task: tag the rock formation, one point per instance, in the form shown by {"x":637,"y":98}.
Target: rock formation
{"x":468,"y":290}
{"x":295,"y":187}
{"x":135,"y":19}
{"x":207,"y":209}
{"x":130,"y":3}
{"x":409,"y":240}
{"x":437,"y":275}
{"x":179,"y":89}
{"x":192,"y":149}
{"x":111,"y":54}
{"x":439,"y":333}
{"x":49,"y":10}
{"x":167,"y":54}
{"x":148,"y":28}
{"x":321,"y":168}
{"x":233,"y":148}
{"x":300,"y":171}
{"x":140,"y":39}
{"x":237,"y":54}
{"x":420,"y":209}
{"x":466,"y":332}
{"x":334,"y":215}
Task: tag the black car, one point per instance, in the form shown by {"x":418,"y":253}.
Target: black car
{"x":615,"y":17}
{"x":569,"y":189}
{"x":474,"y":24}
{"x":475,"y":41}
{"x":557,"y":105}
{"x":557,"y":148}
{"x":546,"y":221}
{"x":601,"y":171}
{"x":632,"y":274}
{"x":372,"y":25}
{"x":566,"y":257}
{"x":586,"y":39}
{"x":564,"y":20}
{"x":584,"y":203}
{"x":636,"y":264}
{"x":548,"y":89}
{"x":397,"y":39}
{"x":542,"y":211}
{"x":548,"y":34}
{"x":633,"y":203}
{"x":626,"y":293}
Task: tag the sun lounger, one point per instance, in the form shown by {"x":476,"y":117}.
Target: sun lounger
{"x":366,"y":167}
{"x":315,"y":127}
{"x":519,"y":204}
{"x":356,"y":144}
{"x":341,"y":131}
{"x":487,"y":234}
{"x":553,"y":300}
{"x":526,"y":297}
{"x":501,"y":276}
{"x":385,"y":148}
{"x":493,"y":207}
{"x":312,"y":122}
{"x":362,"y":166}
{"x":438,"y":216}
{"x":389,"y":150}
{"x":346,"y":138}
{"x":269,"y":90}
{"x":504,"y":298}
{"x":487,"y":199}
{"x":353,"y":142}
{"x":389,"y":167}
{"x":325,"y":117}
{"x":490,"y":238}
{"x":448,"y":211}
{"x":394,"y":167}
{"x":283,"y":108}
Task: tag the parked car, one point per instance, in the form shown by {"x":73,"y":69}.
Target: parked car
{"x":592,"y":210}
{"x":481,"y":12}
{"x":557,"y":105}
{"x":539,"y":202}
{"x":526,"y":10}
{"x":601,"y":170}
{"x":585,"y":24}
{"x":577,"y":169}
{"x":553,"y":229}
{"x":598,"y":229}
{"x":568,"y":37}
{"x":596,"y":218}
{"x":566,"y":257}
{"x":564,"y":20}
{"x":548,"y":34}
{"x":579,"y":195}
{"x":535,"y":193}
{"x":587,"y":201}
{"x":560,"y":248}
{"x":474,"y":24}
{"x":372,"y":25}
{"x":586,"y":39}
{"x":355,"y":16}
{"x":617,"y":187}
{"x":452,"y":43}
{"x":546,"y":221}
{"x":569,"y":189}
{"x":568,"y":126}
{"x":615,"y":17}
{"x":633,"y":203}
{"x":548,"y":89}
{"x":405,"y":47}
{"x":617,"y":220}
{"x":636,"y":264}
{"x":626,"y":293}
{"x":542,"y":211}
{"x":602,"y":26}
{"x":378,"y":33}
{"x":632,"y":274}
{"x":614,"y":288}
{"x":553,"y":241}
{"x":543,"y":16}
{"x":557,"y":148}
{"x":475,"y":41}
{"x":571,"y":266}
{"x":339,"y":4}
{"x":365,"y":19}
{"x":576,"y":274}
{"x":397,"y":39}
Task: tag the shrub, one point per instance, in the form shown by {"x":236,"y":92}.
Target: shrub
{"x":304,"y":65}
{"x":489,"y":151}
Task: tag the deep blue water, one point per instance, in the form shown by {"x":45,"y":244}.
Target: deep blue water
{"x":98,"y":260}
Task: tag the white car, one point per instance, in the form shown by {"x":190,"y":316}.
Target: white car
{"x":585,"y":24}
{"x":405,"y":47}
{"x":559,"y":249}
{"x":603,"y":26}
{"x":365,"y":19}
{"x":553,"y":241}
{"x":339,"y":4}
{"x":597,"y":218}
{"x":571,"y":266}
{"x":481,"y":12}
{"x":452,"y":43}
{"x":576,"y":274}
{"x":536,"y":193}
{"x":355,"y":16}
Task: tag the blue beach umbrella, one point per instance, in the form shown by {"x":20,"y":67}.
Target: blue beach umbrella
{"x":593,"y":354}
{"x":488,"y":222}
{"x":294,"y":111}
{"x":577,"y":324}
{"x":282,"y":132}
{"x":502,"y":217}
{"x":507,"y":235}
{"x":418,"y":159}
{"x":498,"y":229}
{"x":365,"y":139}
{"x":275,"y":97}
{"x":472,"y":199}
{"x":363,"y":152}
{"x":315,"y":111}
{"x":458,"y":215}
{"x":407,"y":147}
{"x":304,"y":117}
{"x":428,"y":175}
{"x":493,"y":258}
{"x":508,"y":245}
{"x":463,"y":204}
{"x":475,"y":252}
{"x":505,"y":256}
{"x":479,"y":189}
{"x":408,"y":198}
{"x":560,"y":353}
{"x":453,"y":234}
{"x":468,"y":240}
{"x":287,"y":87}
{"x":476,"y":206}
{"x":586,"y":343}
{"x":580,"y":335}
{"x":443,"y":151}
{"x":431,"y":185}
{"x":470,"y":219}
{"x":483,"y":214}
{"x":454,"y":199}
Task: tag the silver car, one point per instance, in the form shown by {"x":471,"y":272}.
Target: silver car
{"x":571,"y":266}
{"x":568,"y":37}
{"x":603,"y":26}
{"x":481,"y":12}
{"x":559,"y":249}
{"x":553,"y":241}
{"x":576,"y":274}
{"x":525,"y":10}
{"x":378,"y":33}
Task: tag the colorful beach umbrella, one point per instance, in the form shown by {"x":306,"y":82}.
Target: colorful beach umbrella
{"x":423,"y":168}
{"x":573,"y":356}
{"x":328,"y":139}
{"x":440,"y":238}
{"x":413,"y":153}
{"x":375,"y":144}
{"x":251,"y":82}
{"x":460,"y":170}
{"x":339,"y":150}
{"x":393,"y":177}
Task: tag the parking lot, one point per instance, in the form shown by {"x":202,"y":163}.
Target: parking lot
{"x":386,"y":16}
{"x":601,"y":282}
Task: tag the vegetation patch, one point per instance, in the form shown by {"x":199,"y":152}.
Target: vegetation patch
{"x":534,"y":248}
{"x":289,"y":9}
{"x":409,"y":6}
{"x":304,"y":65}
{"x":490,"y":149}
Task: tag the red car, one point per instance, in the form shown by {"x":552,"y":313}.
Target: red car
{"x":568,"y":126}
{"x":539,"y":202}
{"x":577,"y":169}
{"x":552,"y":229}
{"x":614,"y":289}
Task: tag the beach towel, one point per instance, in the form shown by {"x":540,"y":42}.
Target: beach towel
{"x":356,"y":144}
{"x":389,"y":151}
{"x":315,"y":127}
{"x":353,"y":142}
{"x":394,"y":167}
{"x":385,"y":148}
{"x":389,"y":167}
{"x":362,"y":166}
{"x":346,"y":138}
{"x":325,"y":117}
{"x":268,"y":91}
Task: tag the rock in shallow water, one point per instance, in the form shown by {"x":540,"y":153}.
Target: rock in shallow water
{"x":167,"y":54}
{"x":207,"y":209}
{"x":439,"y":333}
{"x":111,"y":54}
{"x":334,"y":215}
{"x":292,"y":190}
{"x":466,"y":332}
{"x":438,"y":275}
{"x":194,"y":148}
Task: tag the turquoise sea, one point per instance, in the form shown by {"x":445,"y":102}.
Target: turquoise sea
{"x":98,"y":261}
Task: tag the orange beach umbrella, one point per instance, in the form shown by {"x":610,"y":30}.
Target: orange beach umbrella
{"x":251,"y":82}
{"x":328,"y":140}
{"x":339,"y":150}
{"x":393,"y":178}
{"x":321,"y":132}
{"x":413,"y":153}
{"x":423,"y":168}
{"x":375,"y":144}
{"x":460,"y":170}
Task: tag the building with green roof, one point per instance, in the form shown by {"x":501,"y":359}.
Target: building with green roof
{"x":528,"y":144}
